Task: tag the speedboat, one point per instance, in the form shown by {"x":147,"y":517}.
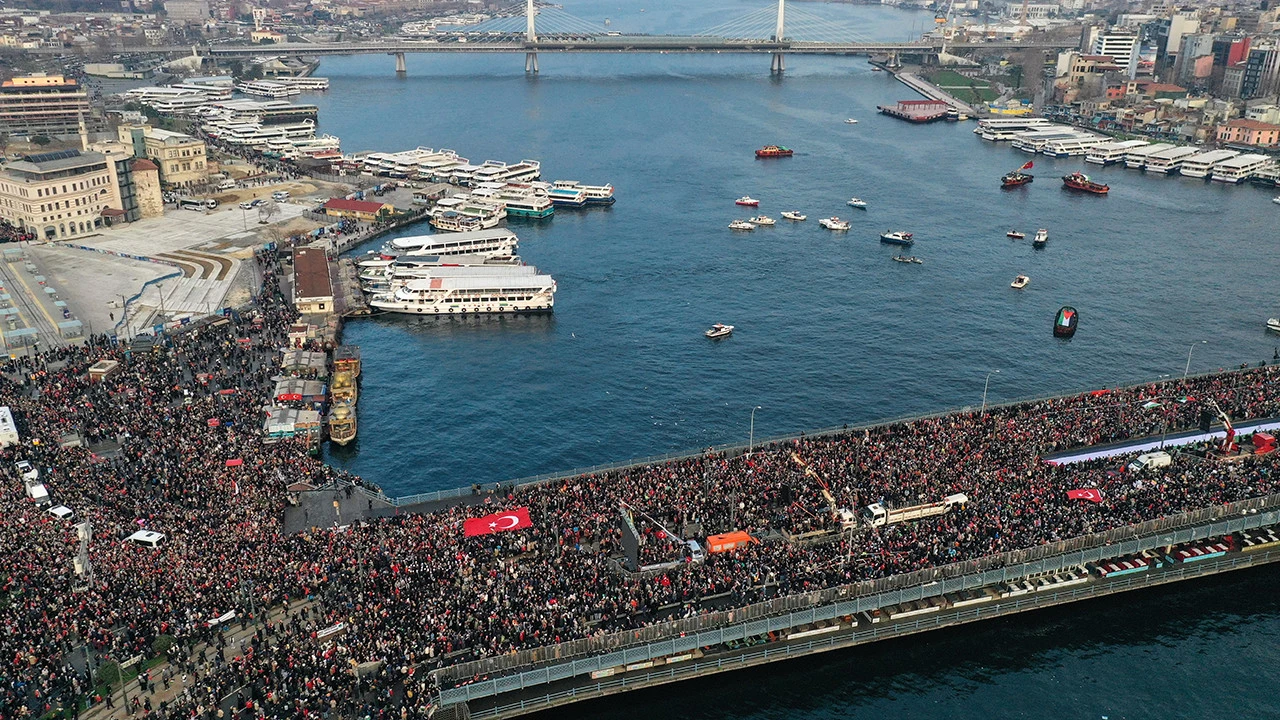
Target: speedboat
{"x":793,"y":215}
{"x":718,"y":331}
{"x":741,"y":225}
{"x":858,"y":203}
{"x":912,"y":259}
{"x":850,"y":121}
{"x":747,"y":200}
{"x":1015,"y":235}
{"x":1276,"y":199}
{"x":896,"y":237}
{"x":762,"y":220}
{"x":1273,"y":324}
{"x":833,"y":223}
{"x":1042,"y":237}
{"x":1020,"y":282}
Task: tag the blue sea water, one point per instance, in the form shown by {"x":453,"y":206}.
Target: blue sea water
{"x":829,"y":329}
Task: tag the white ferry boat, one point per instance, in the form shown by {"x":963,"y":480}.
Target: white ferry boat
{"x":484,"y":242}
{"x":1240,"y":168}
{"x":471,"y":207}
{"x":457,"y":222}
{"x":1113,"y":152}
{"x":304,"y":83}
{"x":267,"y":88}
{"x":567,"y":196}
{"x":594,"y":194}
{"x":1169,"y":161}
{"x":470,"y":296}
{"x":523,"y":171}
{"x":1202,"y":165}
{"x":1136,"y":159}
{"x":1001,"y":129}
{"x":440,"y":166}
{"x":1035,"y":140}
{"x":399,"y":278}
{"x":1074,"y":146}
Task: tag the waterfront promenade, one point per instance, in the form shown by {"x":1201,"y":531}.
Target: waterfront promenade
{"x":432,"y":611}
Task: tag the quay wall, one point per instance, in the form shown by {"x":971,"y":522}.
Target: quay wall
{"x":679,"y":636}
{"x":865,"y":633}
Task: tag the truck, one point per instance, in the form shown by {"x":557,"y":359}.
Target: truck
{"x":1151,"y":460}
{"x":877,"y":515}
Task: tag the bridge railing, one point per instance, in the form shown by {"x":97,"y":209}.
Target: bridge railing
{"x":613,"y":649}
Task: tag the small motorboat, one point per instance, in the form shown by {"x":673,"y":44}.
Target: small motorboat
{"x":1020,"y":282}
{"x":858,"y":203}
{"x":793,"y":215}
{"x":762,"y":220}
{"x":896,"y":237}
{"x":850,"y":121}
{"x":741,"y":225}
{"x":834,"y":223}
{"x":1273,"y":324}
{"x":1015,"y":235}
{"x":912,"y":259}
{"x":1042,"y":237}
{"x":1276,"y":199}
{"x":718,"y":331}
{"x":747,"y":201}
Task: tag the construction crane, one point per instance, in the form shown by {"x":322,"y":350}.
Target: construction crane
{"x":1228,"y":444}
{"x":843,"y":517}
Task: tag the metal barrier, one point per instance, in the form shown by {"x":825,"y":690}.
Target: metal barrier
{"x":793,"y":611}
{"x":872,"y":633}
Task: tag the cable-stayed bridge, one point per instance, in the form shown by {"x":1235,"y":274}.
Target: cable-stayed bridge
{"x":776,"y":31}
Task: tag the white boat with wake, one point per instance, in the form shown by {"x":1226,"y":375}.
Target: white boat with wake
{"x":461,"y":296}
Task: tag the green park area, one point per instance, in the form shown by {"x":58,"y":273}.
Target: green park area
{"x":965,"y":89}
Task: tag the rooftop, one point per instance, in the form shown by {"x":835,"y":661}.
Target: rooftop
{"x":362,"y":206}
{"x":311,"y":274}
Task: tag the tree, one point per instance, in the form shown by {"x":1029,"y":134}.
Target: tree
{"x":268,"y":210}
{"x":41,"y":140}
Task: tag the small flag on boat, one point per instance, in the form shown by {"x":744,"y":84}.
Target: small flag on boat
{"x":498,"y":522}
{"x":1028,"y":166}
{"x":1090,"y":494}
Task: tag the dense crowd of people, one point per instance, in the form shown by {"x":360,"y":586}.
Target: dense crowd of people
{"x":371,"y":608}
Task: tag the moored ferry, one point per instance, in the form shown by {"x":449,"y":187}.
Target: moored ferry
{"x":492,"y":294}
{"x":1000,"y":129}
{"x":1200,"y":166}
{"x":1113,"y":152}
{"x":1169,"y":161}
{"x":1073,"y":146}
{"x":1136,"y":158}
{"x":1080,"y":181}
{"x":498,"y":241}
{"x":1240,"y":168}
{"x":342,"y":423}
{"x":593,"y":194}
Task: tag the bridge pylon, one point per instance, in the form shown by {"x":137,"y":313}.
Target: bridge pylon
{"x":778,"y":65}
{"x":530,"y":36}
{"x":401,"y":68}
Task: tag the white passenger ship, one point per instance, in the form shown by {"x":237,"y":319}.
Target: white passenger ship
{"x":1239,"y":168}
{"x":1113,"y":152}
{"x":498,"y":241}
{"x":1136,"y":159}
{"x":1169,"y":161}
{"x":455,"y":296}
{"x":999,"y":129}
{"x":1202,"y":165}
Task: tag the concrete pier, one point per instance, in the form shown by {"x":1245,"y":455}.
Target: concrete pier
{"x":401,"y":68}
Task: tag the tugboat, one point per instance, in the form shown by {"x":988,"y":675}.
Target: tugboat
{"x":741,"y":225}
{"x":773,"y":151}
{"x":1015,"y":235}
{"x":858,"y":203}
{"x":834,"y":223}
{"x":793,"y":215}
{"x":762,"y":220}
{"x":1042,"y":237}
{"x":896,"y":237}
{"x":718,"y":331}
{"x":747,"y":201}
{"x":1020,"y":282}
{"x":1017,"y":177}
{"x":1064,"y":325}
{"x":1080,"y":181}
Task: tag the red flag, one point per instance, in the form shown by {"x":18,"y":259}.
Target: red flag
{"x":235,"y":462}
{"x":214,"y":422}
{"x":1028,"y":166}
{"x":1090,"y":494}
{"x":498,"y":522}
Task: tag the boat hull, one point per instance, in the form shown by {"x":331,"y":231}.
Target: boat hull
{"x":529,"y":213}
{"x":896,"y":241}
{"x":1065,"y":322}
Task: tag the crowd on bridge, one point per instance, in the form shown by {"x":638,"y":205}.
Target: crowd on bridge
{"x":349,"y":621}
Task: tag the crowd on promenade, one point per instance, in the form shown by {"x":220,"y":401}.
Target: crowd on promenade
{"x":386,"y":600}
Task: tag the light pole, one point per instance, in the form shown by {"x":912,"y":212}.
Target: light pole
{"x":751,"y":435}
{"x":985,"y":385}
{"x":1191,"y":349}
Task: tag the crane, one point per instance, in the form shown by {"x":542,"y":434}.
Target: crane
{"x":1228,"y":444}
{"x":839,"y":516}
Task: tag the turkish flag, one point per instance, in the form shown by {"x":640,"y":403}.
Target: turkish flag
{"x":1090,"y":494}
{"x":1028,"y":166}
{"x":498,"y":522}
{"x":235,"y":462}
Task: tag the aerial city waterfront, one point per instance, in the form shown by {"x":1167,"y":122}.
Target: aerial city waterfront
{"x":760,"y":359}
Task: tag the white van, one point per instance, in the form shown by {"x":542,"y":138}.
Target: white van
{"x":62,"y":512}
{"x":37,"y":492}
{"x":147,"y":538}
{"x":27,"y":471}
{"x":227,"y":184}
{"x":1157,"y":459}
{"x":280,"y":195}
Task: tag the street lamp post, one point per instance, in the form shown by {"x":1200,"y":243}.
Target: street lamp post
{"x":751,"y":436}
{"x":985,"y":385}
{"x":1191,"y":349}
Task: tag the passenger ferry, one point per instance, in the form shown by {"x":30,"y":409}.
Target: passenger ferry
{"x":484,"y":242}
{"x":594,"y":194}
{"x":1113,"y":152}
{"x":440,"y":165}
{"x":342,"y":423}
{"x":309,"y":82}
{"x":567,"y":196}
{"x":523,"y":171}
{"x":488,"y":213}
{"x":1169,"y":161}
{"x":1072,"y":147}
{"x":402,"y":277}
{"x":1240,"y":168}
{"x":1001,"y":129}
{"x":457,"y":222}
{"x":267,"y":88}
{"x":517,"y":200}
{"x":1136,"y":159}
{"x":1035,"y":140}
{"x":1201,"y":165}
{"x":470,"y":296}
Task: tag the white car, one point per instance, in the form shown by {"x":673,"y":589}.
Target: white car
{"x":27,"y":471}
{"x":62,"y":512}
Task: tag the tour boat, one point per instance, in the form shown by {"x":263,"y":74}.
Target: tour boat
{"x":908,"y":259}
{"x":1020,"y":282}
{"x":1042,"y":237}
{"x":896,"y":237}
{"x":747,"y":200}
{"x":1064,"y":324}
{"x":793,"y":215}
{"x":1015,"y":235}
{"x":858,"y":203}
{"x":1080,"y":181}
{"x":833,"y":223}
{"x":850,"y":121}
{"x":718,"y":331}
{"x":772,"y":151}
{"x":762,"y":220}
{"x":1273,"y":324}
{"x":342,"y":423}
{"x":741,"y":225}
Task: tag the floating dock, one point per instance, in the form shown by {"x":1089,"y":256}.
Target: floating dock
{"x":917,"y":111}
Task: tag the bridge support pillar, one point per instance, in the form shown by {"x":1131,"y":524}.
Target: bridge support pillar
{"x":778,"y":64}
{"x":401,"y":69}
{"x":531,"y":63}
